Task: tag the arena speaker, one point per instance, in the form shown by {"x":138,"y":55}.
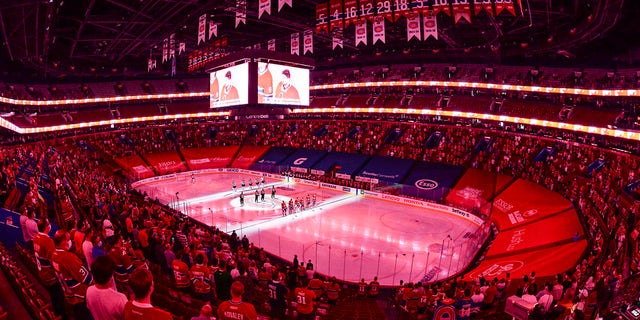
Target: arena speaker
{"x":518,"y":308}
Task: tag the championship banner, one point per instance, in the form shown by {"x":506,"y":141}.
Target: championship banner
{"x":378,"y":30}
{"x":241,"y":12}
{"x":505,"y":5}
{"x":202,"y":25}
{"x":413,"y":27}
{"x":430,"y":25}
{"x":172,"y":45}
{"x":181,"y":48}
{"x":271,"y":45}
{"x":441,"y":6}
{"x":213,"y":29}
{"x":462,"y":11}
{"x":295,"y":43}
{"x":337,"y":41}
{"x":350,"y":12}
{"x":335,"y":14}
{"x":367,"y":9}
{"x":361,"y":33}
{"x":165,"y":49}
{"x":322,"y":21}
{"x":486,"y":5}
{"x":308,"y":42}
{"x":281,"y":4}
{"x":264,"y":6}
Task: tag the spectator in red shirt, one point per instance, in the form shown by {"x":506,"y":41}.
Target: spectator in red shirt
{"x":236,"y":308}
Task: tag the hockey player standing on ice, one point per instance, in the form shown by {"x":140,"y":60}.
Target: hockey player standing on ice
{"x":241,"y":198}
{"x":242,"y":184}
{"x":284,"y":208}
{"x":250,"y":183}
{"x":262,"y":180}
{"x":233,"y":186}
{"x":257,"y":194}
{"x":262,"y":194}
{"x":273,"y":192}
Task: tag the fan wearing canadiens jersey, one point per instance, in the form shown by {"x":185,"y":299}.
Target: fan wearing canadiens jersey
{"x":73,"y":276}
{"x":43,"y":248}
{"x":305,"y":308}
{"x":201,"y":279}
{"x":236,"y":309}
{"x":181,"y":273}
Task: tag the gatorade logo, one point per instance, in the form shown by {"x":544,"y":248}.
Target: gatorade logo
{"x":300,"y":161}
{"x":426,"y":184}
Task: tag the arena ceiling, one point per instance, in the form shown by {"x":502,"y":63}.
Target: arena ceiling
{"x":56,"y":39}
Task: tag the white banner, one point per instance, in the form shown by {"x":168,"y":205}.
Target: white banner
{"x":202,"y":28}
{"x":413,"y":27}
{"x":213,"y":29}
{"x":361,"y":33}
{"x":378,"y":30}
{"x":281,"y":4}
{"x":264,"y":6}
{"x":241,"y":12}
{"x":430,"y":25}
{"x":308,"y":42}
{"x":295,"y":43}
{"x":337,"y":42}
{"x":182,"y":48}
{"x":271,"y":46}
{"x":149,"y":64}
{"x":172,"y":45}
{"x":165,"y":50}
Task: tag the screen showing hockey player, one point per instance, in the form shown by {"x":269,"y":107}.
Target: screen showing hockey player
{"x":229,"y":86}
{"x":278,"y":84}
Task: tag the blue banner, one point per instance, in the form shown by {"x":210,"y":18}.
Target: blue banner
{"x":431,"y":181}
{"x":303,"y":159}
{"x":385,"y":169}
{"x":345,"y":164}
{"x":270,"y":161}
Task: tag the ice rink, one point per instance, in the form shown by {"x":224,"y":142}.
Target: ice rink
{"x":345,"y":235}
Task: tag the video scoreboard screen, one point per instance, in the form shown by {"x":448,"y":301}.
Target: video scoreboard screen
{"x":284,"y":85}
{"x":229,"y":86}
